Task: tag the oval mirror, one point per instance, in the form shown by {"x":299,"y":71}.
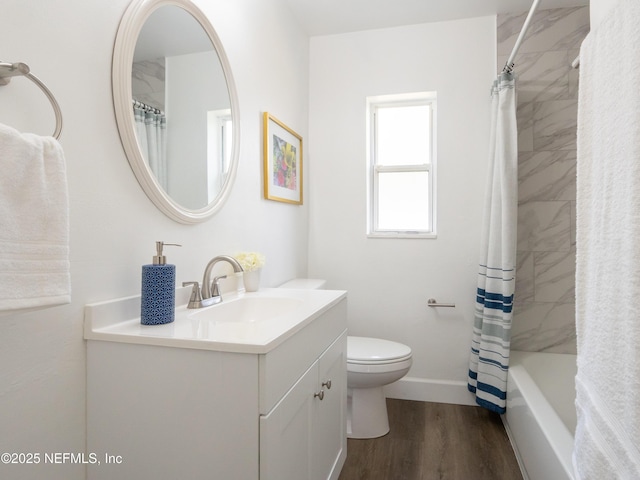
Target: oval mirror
{"x":176,"y":107}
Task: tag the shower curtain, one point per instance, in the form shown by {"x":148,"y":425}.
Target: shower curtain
{"x":151,"y":128}
{"x":489,"y":359}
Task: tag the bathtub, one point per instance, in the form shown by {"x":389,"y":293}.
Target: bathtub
{"x":541,"y":418}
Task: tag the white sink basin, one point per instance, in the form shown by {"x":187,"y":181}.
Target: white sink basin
{"x":247,"y":310}
{"x":245,"y":323}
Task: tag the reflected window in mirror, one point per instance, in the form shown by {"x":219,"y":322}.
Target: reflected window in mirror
{"x":219,"y":148}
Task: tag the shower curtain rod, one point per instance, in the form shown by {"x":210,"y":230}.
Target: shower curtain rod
{"x":508,"y":68}
{"x":144,"y":106}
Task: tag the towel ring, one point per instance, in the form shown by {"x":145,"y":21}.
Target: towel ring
{"x":8,"y":70}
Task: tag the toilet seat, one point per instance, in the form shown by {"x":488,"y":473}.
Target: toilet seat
{"x":379,"y":368}
{"x":375,"y":351}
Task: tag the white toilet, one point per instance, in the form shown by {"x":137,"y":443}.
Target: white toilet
{"x":372,"y":363}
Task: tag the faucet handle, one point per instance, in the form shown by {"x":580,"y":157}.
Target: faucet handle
{"x":196,"y":299}
{"x":215,"y":291}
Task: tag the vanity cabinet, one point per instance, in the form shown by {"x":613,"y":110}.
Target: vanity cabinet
{"x":161,"y":411}
{"x":302,"y":437}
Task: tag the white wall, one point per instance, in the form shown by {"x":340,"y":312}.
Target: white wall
{"x":389,"y":281}
{"x":189,"y":98}
{"x":68,"y":44}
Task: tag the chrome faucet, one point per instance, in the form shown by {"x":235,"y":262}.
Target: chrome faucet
{"x":210,"y":290}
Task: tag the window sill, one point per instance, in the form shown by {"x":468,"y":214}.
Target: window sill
{"x":402,"y":235}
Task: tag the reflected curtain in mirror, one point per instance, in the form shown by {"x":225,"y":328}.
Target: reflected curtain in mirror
{"x":151,"y":127}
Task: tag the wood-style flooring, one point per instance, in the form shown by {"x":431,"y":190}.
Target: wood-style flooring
{"x":434,"y":441}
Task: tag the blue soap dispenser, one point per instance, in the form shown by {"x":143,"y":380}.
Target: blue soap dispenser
{"x":158,"y":290}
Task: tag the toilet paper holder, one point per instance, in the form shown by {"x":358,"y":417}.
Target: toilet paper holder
{"x":432,"y":302}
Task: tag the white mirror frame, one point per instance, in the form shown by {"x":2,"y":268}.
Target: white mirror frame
{"x":132,"y":21}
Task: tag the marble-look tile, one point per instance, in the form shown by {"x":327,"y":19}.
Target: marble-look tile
{"x":558,"y":29}
{"x":148,"y":82}
{"x":542,"y":76}
{"x":544,"y":226}
{"x":557,"y":332}
{"x":547,"y":90}
{"x":568,"y":345}
{"x":554,"y":29}
{"x":509,"y":26}
{"x":152,"y":69}
{"x":547,"y":175}
{"x":547,"y":327}
{"x":524,"y":277}
{"x":527,"y":318}
{"x":555,"y":276}
{"x":555,"y":124}
{"x":524,"y":116}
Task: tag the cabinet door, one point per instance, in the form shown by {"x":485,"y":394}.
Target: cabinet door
{"x":285,"y":438}
{"x":329,"y":431}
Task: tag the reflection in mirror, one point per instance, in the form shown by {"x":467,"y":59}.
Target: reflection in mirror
{"x":181,"y":107}
{"x":179,"y":128}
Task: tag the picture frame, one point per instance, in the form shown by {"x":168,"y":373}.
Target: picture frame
{"x":282,"y":158}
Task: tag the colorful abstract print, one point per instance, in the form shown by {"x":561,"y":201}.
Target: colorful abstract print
{"x":285,"y":172}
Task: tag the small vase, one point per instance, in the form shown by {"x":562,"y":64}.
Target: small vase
{"x":251,"y":280}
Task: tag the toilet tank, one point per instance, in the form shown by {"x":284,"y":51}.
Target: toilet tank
{"x":304,"y":284}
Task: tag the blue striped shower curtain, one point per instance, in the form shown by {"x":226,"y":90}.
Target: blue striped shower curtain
{"x":489,"y":359}
{"x":151,"y":128}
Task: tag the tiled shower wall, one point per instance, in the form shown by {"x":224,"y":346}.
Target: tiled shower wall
{"x":547,"y":92}
{"x":148,"y":82}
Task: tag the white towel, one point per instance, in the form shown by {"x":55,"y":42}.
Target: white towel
{"x":34,"y":222}
{"x":607,"y":439}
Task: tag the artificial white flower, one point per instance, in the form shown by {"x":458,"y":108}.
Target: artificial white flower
{"x":250,"y":261}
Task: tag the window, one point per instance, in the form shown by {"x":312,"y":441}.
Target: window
{"x":401,"y":165}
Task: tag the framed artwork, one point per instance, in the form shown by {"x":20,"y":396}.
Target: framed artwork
{"x":282,"y":162}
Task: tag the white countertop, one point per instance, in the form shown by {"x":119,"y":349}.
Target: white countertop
{"x":119,"y":321}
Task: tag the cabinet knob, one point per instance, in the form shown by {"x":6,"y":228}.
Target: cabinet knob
{"x":320,"y":395}
{"x":327,"y":384}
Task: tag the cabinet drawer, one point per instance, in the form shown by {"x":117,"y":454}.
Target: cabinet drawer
{"x":283,"y":366}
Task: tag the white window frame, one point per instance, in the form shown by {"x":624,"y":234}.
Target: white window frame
{"x":373,"y":169}
{"x":218,"y":150}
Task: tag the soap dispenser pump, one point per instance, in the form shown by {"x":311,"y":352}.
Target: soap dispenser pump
{"x":158,"y":289}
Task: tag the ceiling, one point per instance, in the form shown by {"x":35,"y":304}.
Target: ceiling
{"x":326,"y":17}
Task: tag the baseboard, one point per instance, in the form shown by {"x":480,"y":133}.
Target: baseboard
{"x":430,"y":390}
